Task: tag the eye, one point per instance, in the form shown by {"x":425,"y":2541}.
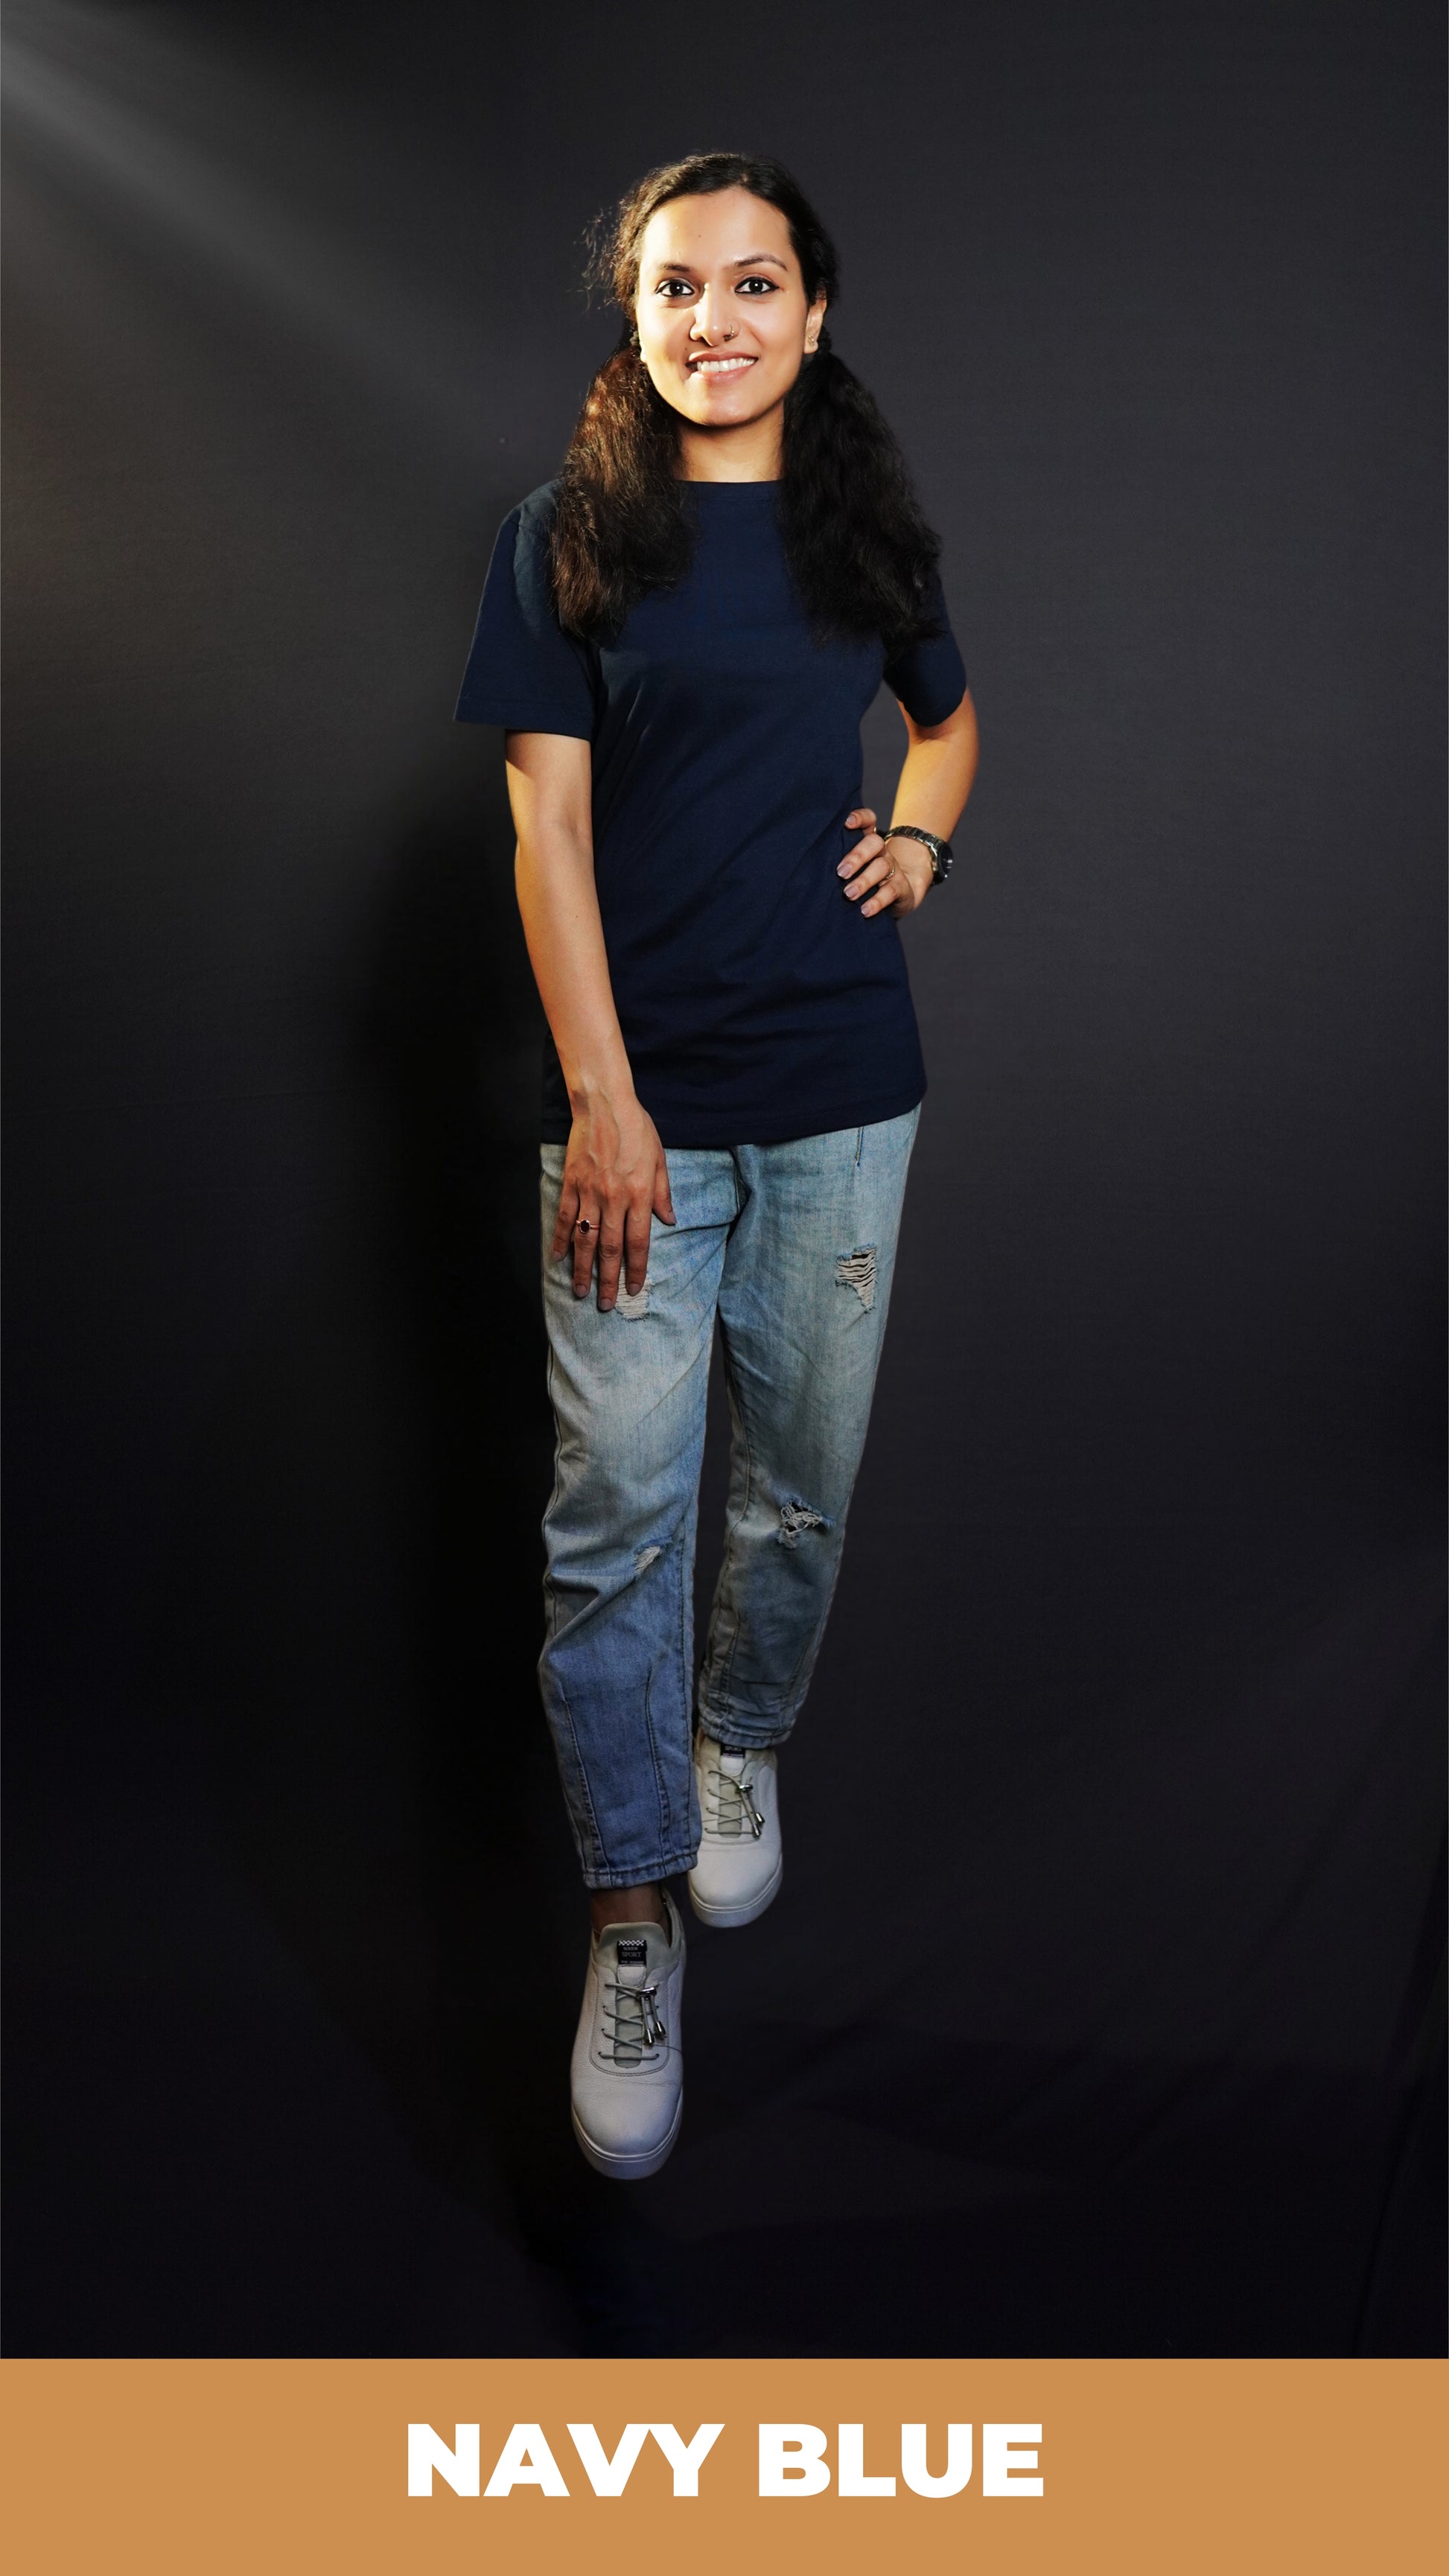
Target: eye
{"x":667,"y":285}
{"x":766,"y":285}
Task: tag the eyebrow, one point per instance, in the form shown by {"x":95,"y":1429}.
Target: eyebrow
{"x":754,"y":259}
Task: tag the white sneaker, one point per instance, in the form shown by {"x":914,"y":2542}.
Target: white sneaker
{"x":740,"y":1862}
{"x":628,"y":2067}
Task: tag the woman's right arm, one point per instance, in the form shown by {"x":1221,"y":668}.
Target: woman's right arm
{"x":615,"y":1173}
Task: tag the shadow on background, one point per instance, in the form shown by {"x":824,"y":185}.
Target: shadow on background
{"x":379,"y":1755}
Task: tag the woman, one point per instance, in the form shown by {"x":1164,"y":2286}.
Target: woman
{"x":680,"y":637}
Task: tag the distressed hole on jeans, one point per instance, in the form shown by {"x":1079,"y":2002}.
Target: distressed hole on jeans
{"x":644,"y":1558}
{"x":857,"y":1270}
{"x":629,"y":1306}
{"x":795,"y":1517}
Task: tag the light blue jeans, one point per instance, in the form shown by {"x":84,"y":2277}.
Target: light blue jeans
{"x":792,"y":1247}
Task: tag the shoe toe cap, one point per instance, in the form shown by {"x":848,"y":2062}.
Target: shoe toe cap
{"x":625,"y":2115}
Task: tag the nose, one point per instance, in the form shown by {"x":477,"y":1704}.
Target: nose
{"x":705,"y":325}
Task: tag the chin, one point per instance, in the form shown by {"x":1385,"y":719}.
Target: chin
{"x":731,"y":403}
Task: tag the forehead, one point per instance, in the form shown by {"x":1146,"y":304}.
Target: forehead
{"x":713,"y":232}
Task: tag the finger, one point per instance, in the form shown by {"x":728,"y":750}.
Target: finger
{"x":611,"y":1253}
{"x":636,"y":1249}
{"x":887,"y":900}
{"x":873,"y":873}
{"x":894,"y":895}
{"x":864,"y":814}
{"x":568,"y":1208}
{"x":585,"y":1246}
{"x":869,"y":848}
{"x":663,"y":1201}
{"x":913,"y":882}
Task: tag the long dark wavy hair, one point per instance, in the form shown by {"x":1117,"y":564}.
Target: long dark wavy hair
{"x":859,"y":549}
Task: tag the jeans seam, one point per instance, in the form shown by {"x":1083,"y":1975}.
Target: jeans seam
{"x":550,"y":1623}
{"x":686,"y":1645}
{"x":661,"y":1789}
{"x":749,"y":1455}
{"x":598,"y":1856}
{"x":804,"y":1670}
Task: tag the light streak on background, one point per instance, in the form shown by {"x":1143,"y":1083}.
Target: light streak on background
{"x":120,"y":111}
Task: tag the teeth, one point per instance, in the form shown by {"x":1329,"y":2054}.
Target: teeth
{"x":720,"y":366}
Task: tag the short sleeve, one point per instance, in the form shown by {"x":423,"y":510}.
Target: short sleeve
{"x":523,"y":671}
{"x":930,"y":679}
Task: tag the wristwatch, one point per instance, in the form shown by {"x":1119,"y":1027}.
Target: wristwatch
{"x":940,"y":851}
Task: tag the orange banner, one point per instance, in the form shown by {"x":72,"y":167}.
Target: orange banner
{"x":1173,"y":2467}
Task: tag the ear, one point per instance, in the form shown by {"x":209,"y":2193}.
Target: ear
{"x":814,"y":323}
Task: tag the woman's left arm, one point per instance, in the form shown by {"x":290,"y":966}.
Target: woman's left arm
{"x":895,"y":876}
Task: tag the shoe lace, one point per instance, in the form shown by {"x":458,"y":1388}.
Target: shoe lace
{"x":734,"y":1811}
{"x":632,"y":2020}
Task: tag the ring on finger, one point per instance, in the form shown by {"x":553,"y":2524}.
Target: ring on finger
{"x":584,"y":1225}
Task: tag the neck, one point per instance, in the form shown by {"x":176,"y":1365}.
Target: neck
{"x":747,"y":454}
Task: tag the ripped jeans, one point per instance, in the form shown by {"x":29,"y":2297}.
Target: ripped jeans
{"x":792,"y":1247}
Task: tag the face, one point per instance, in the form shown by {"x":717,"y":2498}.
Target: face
{"x":721,"y":310}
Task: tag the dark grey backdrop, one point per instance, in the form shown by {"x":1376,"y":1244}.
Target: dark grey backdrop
{"x":1099,"y":2012}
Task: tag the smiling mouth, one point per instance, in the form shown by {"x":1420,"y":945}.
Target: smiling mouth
{"x":719,"y":366}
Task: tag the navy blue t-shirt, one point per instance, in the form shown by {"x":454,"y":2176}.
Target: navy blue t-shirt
{"x":755,"y":1002}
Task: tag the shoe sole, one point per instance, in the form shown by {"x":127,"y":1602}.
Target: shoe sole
{"x":728,"y":1918}
{"x":634,"y":2167}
